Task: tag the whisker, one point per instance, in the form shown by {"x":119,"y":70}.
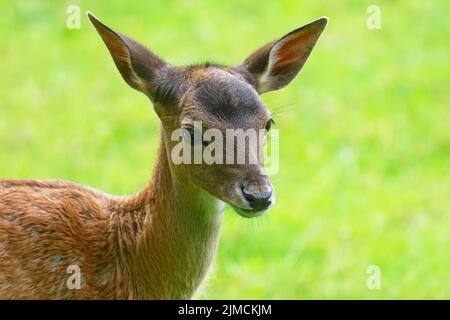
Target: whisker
{"x":287,"y":105}
{"x":282,"y":110}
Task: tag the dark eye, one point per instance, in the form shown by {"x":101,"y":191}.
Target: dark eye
{"x":269,"y":124}
{"x":193,"y":136}
{"x":189,"y":135}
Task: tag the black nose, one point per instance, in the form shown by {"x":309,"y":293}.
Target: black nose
{"x":258,"y":200}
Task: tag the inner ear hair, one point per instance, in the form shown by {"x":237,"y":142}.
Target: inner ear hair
{"x":276,"y":64}
{"x":138,"y":66}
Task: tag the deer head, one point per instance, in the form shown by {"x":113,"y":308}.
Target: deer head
{"x":220,"y":98}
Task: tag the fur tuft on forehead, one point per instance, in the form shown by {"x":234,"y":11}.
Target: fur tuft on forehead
{"x":226,"y":96}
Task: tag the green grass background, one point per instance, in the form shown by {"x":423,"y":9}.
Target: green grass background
{"x":365,"y":133}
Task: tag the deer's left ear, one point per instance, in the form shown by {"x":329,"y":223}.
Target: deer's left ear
{"x":139,"y":67}
{"x":277,"y":63}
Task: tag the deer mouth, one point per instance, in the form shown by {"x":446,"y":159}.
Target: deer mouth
{"x":249,"y":213}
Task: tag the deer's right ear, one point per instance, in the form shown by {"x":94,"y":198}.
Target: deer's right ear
{"x":139,"y":67}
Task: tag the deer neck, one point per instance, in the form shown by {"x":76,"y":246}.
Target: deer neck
{"x":180,"y":232}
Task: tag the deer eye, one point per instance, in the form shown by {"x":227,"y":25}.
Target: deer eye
{"x":269,"y":124}
{"x":189,"y":135}
{"x":193,"y":136}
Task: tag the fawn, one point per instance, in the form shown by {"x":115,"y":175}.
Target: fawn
{"x":158,"y":243}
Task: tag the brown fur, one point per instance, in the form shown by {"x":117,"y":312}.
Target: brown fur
{"x":124,"y":246}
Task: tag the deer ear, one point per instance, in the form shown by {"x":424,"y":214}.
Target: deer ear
{"x":277,"y":63}
{"x":139,"y":67}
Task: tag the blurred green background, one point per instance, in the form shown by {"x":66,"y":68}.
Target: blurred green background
{"x":365,"y":133}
